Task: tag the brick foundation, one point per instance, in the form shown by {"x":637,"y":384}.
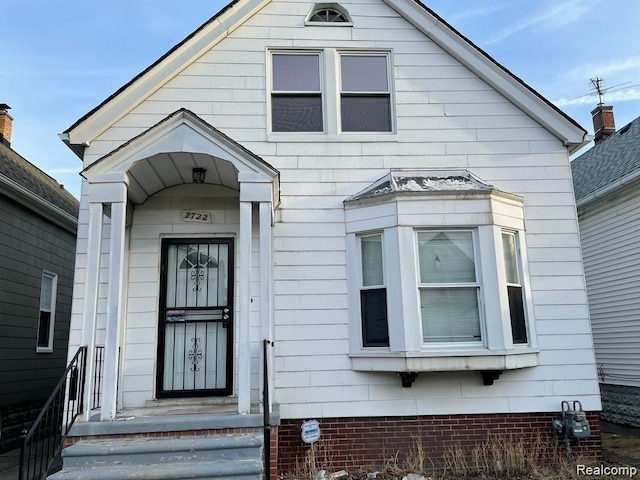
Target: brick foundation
{"x":369,"y":442}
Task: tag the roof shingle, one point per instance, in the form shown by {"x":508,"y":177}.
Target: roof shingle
{"x":610,"y":160}
{"x":30,"y":177}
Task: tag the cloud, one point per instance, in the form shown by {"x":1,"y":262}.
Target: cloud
{"x":560,"y":15}
{"x":54,"y":171}
{"x":626,"y":95}
{"x":482,"y":11}
{"x":590,"y":70}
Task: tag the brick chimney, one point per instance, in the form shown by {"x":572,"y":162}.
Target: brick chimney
{"x":6,"y":121}
{"x":603,"y":121}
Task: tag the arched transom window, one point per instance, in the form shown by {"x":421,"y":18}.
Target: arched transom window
{"x":329,"y":13}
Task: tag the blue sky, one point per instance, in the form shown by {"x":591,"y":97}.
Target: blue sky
{"x":60,"y":59}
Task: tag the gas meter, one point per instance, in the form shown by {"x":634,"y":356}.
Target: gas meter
{"x":572,"y":423}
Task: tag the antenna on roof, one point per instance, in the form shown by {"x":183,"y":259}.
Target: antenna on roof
{"x":598,"y":85}
{"x":598,"y":88}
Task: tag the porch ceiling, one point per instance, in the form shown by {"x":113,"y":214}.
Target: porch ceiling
{"x":150,"y":175}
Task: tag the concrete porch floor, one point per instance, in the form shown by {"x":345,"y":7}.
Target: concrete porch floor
{"x":176,"y":415}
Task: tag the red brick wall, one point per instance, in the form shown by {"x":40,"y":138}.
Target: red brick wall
{"x":369,"y":442}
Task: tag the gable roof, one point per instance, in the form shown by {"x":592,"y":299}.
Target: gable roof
{"x":30,"y":186}
{"x":91,"y":125}
{"x":612,"y":162}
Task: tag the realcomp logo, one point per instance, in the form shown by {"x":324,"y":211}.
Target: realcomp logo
{"x":607,"y":470}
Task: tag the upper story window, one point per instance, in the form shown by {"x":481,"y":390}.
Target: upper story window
{"x":331,"y":92}
{"x":48,"y":291}
{"x":328,"y":13}
{"x":448,"y":287}
{"x":365,"y":97}
{"x":296,"y":93}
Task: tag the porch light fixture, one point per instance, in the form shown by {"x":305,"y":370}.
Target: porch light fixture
{"x":198,"y":174}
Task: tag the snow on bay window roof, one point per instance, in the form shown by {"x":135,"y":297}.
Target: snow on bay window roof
{"x":423,"y":182}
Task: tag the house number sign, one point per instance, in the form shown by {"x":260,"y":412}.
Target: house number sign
{"x":196,"y":216}
{"x":310,"y":431}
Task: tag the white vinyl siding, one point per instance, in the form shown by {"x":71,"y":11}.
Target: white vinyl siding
{"x":445,"y":117}
{"x":609,"y":235}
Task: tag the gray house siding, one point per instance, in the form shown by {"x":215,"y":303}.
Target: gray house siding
{"x":29,"y":245}
{"x":610,"y":233}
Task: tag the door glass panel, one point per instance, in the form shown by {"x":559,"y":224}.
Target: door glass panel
{"x":196,"y":275}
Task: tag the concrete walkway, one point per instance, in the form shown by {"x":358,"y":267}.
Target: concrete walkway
{"x":9,"y":465}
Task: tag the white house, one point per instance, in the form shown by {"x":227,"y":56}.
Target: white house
{"x":358,"y":184}
{"x":606,"y":180}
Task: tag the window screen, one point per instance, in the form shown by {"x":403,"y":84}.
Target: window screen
{"x":296,"y":96}
{"x":365,"y":98}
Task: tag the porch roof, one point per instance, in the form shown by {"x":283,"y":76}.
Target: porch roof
{"x":165,"y":155}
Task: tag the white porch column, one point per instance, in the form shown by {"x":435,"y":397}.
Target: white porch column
{"x":266,"y":328}
{"x":244,"y":307}
{"x":90,"y":306}
{"x":115,"y":290}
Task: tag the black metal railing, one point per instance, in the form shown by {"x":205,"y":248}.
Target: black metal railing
{"x":43,"y":441}
{"x":266,"y":414}
{"x":96,"y":394}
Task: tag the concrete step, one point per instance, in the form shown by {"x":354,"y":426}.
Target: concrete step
{"x":89,"y":453}
{"x":218,"y":470}
{"x":225,"y":457}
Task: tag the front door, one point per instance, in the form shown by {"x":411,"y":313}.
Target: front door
{"x":195,"y":344}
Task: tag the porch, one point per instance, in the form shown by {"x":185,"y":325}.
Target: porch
{"x":177,"y":272}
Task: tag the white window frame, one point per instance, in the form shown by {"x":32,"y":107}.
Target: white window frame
{"x":51,"y":309}
{"x":272,"y":91}
{"x":386,"y":94}
{"x":330,"y":83}
{"x":477,"y":285}
{"x":362,"y":286}
{"x":522,"y":284}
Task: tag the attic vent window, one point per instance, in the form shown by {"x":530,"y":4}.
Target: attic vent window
{"x":332,"y":14}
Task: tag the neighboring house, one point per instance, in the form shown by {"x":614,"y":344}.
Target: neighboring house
{"x":359,"y":184}
{"x":606,"y":180}
{"x":38,"y":225}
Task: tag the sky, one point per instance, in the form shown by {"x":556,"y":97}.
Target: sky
{"x":60,"y":59}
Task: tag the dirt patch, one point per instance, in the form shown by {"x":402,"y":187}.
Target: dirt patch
{"x":621,"y":444}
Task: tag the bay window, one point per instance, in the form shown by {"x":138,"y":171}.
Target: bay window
{"x":437,"y":275}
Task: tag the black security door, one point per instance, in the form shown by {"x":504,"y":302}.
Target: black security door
{"x":195,"y":343}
